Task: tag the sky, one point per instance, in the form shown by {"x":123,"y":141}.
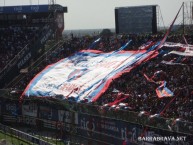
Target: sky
{"x":99,"y":14}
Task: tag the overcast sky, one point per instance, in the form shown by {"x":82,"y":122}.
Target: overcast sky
{"x":93,"y":14}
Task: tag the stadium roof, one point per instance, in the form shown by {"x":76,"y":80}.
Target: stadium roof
{"x":23,"y":9}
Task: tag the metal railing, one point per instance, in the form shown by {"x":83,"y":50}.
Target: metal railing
{"x":22,"y":135}
{"x":169,"y":124}
{"x":12,"y":62}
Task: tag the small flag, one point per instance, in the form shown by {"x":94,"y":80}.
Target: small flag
{"x":163,"y":91}
{"x":148,"y":79}
{"x":94,"y":43}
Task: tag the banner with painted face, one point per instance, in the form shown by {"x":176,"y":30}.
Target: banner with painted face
{"x":85,"y":75}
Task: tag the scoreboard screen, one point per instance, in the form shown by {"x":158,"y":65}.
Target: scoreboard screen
{"x":137,"y":19}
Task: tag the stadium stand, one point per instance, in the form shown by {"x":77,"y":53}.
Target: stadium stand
{"x":129,"y":98}
{"x":13,"y":39}
{"x":139,"y":94}
{"x":24,"y":32}
{"x":133,"y":92}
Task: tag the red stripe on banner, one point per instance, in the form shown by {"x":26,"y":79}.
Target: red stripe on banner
{"x":92,"y":51}
{"x":131,"y":51}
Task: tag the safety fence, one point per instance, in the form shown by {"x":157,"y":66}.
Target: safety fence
{"x":99,"y":123}
{"x":22,"y":135}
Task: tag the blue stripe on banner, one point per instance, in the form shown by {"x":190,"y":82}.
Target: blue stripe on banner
{"x":94,"y":43}
{"x":123,"y":47}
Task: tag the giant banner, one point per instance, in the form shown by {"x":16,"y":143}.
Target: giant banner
{"x":85,"y":75}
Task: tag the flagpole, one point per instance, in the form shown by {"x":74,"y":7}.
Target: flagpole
{"x":168,"y":31}
{"x":183,"y":17}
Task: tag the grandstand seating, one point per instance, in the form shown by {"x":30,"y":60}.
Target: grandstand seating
{"x":139,"y":92}
{"x":134,"y":93}
{"x":12,"y":40}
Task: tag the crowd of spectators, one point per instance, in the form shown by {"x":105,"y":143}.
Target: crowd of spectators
{"x":12,"y":40}
{"x":138,"y":92}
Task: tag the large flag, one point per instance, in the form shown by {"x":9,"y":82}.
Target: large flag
{"x":84,"y":75}
{"x":163,"y":91}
